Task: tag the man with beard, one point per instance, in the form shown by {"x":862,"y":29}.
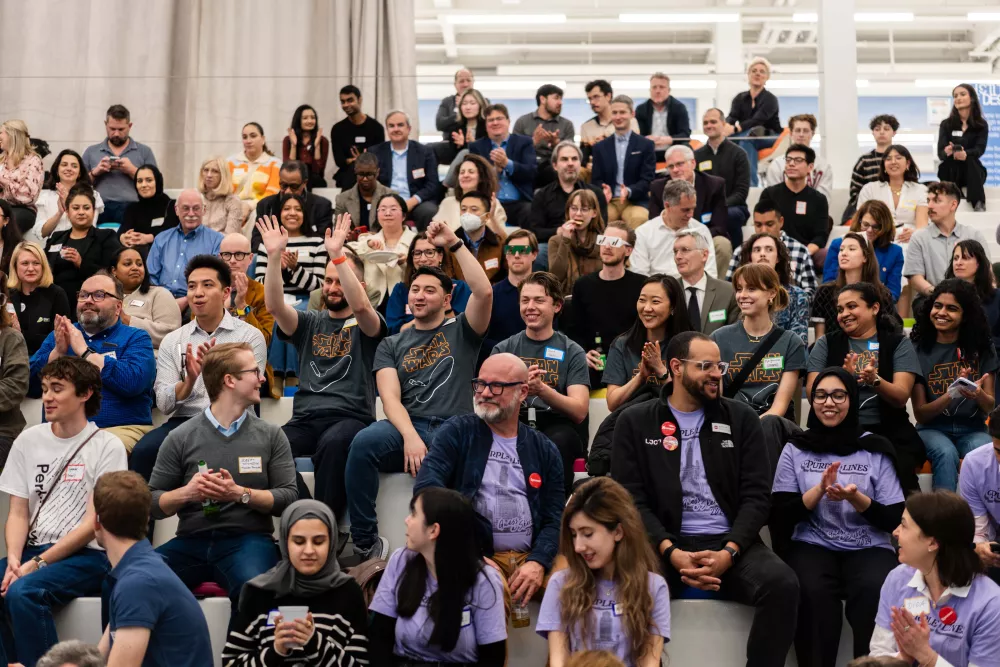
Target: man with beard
{"x":123,"y":354}
{"x":547,"y":128}
{"x":336,"y":396}
{"x":696,"y":466}
{"x":113,"y":162}
{"x":512,"y":474}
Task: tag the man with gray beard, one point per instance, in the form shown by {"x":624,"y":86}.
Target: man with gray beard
{"x":509,"y":471}
{"x":123,"y":354}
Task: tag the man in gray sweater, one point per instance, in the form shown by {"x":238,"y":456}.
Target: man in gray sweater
{"x":225,"y":473}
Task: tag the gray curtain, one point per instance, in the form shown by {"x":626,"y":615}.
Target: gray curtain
{"x":192,"y":72}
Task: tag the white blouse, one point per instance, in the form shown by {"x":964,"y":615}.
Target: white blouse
{"x":48,"y":206}
{"x":910,"y":197}
{"x":383,"y":277}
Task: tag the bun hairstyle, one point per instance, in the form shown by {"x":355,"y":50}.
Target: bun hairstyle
{"x":763,"y":277}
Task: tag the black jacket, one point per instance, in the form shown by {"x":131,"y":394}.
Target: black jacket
{"x":711,"y":200}
{"x":759,"y":112}
{"x":678,"y":124}
{"x":96,"y":250}
{"x":730,"y":163}
{"x":735,"y":465}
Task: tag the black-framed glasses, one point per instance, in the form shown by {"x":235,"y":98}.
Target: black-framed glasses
{"x":259,"y":372}
{"x":98,"y":295}
{"x":517,"y":250}
{"x":429,"y":254}
{"x":794,"y":160}
{"x":496,"y":388}
{"x":364,"y":175}
{"x":839,"y":396}
{"x":239,"y":256}
{"x":289,"y":186}
{"x":705,"y":366}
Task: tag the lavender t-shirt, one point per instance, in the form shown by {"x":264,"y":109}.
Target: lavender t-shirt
{"x":483,"y":620}
{"x":605,"y":624}
{"x":973,"y":637}
{"x":836,"y":524}
{"x":700,"y":513}
{"x":979,"y":484}
{"x":502,"y":497}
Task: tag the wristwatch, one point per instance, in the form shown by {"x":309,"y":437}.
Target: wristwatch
{"x":245,"y":498}
{"x":89,"y":352}
{"x":733,"y":553}
{"x":878,"y":381}
{"x":39,"y":561}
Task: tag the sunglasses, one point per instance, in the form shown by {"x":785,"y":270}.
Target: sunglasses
{"x":517,"y":250}
{"x":612,"y":241}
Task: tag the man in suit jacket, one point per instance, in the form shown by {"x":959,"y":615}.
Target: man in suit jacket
{"x":711,"y":302}
{"x":514,"y":158}
{"x":367,"y":191}
{"x":711,"y":209}
{"x":292,"y":178}
{"x":409,"y":168}
{"x":662,"y":118}
{"x":624,"y":166}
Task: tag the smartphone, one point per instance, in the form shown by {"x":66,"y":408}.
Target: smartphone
{"x":964,"y":383}
{"x":994,"y":547}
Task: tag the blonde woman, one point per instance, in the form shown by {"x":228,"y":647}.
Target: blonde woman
{"x":223,"y":211}
{"x":35,"y":297}
{"x":21,"y":172}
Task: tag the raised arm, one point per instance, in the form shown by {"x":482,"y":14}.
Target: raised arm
{"x":274,"y":238}
{"x":480,"y":304}
{"x":354,"y":289}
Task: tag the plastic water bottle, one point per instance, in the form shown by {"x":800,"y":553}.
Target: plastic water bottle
{"x":209,"y":507}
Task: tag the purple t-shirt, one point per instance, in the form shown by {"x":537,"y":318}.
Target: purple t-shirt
{"x":483,"y":621}
{"x":605,"y":618}
{"x":502,"y":497}
{"x":836,"y":524}
{"x":973,"y":637}
{"x":700,"y":513}
{"x":979,"y":484}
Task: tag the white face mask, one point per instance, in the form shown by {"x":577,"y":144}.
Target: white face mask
{"x":471,"y":222}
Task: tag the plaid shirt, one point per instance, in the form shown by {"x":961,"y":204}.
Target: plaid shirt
{"x":802,"y":264}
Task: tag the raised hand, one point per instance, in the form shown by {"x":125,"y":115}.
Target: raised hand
{"x":292,"y":137}
{"x":272,"y":234}
{"x":337,"y":236}
{"x":440,"y":234}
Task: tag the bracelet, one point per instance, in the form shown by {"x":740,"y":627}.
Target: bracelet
{"x":456,"y":247}
{"x":339,"y":260}
{"x":669,"y":550}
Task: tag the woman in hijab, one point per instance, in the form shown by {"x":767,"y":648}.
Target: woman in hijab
{"x":574,"y":251}
{"x":152,"y":214}
{"x":330,"y":616}
{"x":837,"y":493}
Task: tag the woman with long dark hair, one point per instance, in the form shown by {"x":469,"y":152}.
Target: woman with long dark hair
{"x":423,"y":253}
{"x":937,"y":607}
{"x":969,"y":262}
{"x":899,"y":187}
{"x":149,"y":307}
{"x":151,"y":214}
{"x":573,"y":249}
{"x":637,"y":357}
{"x":305,"y":142}
{"x":610,"y":596}
{"x":871,"y":346}
{"x":962,"y":138}
{"x":67,"y":170}
{"x":472,"y":119}
{"x":953,"y":341}
{"x":438,"y":601}
{"x":874,"y":221}
{"x":835,"y":500}
{"x":763,"y":248}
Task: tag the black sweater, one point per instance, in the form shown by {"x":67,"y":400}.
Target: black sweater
{"x":730,"y":163}
{"x":973,"y":140}
{"x":604,"y":308}
{"x":339,"y":640}
{"x":96,"y":250}
{"x":760,"y":112}
{"x":36,"y":313}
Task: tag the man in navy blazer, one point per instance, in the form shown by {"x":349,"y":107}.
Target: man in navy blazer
{"x":514,"y":158}
{"x":409,"y":168}
{"x":662,"y":118}
{"x":624,"y":166}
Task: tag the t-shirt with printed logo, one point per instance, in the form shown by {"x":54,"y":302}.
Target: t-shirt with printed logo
{"x":334,"y":358}
{"x":700,"y":512}
{"x":623,"y":363}
{"x":940,"y":367}
{"x":502,"y":497}
{"x":979,"y":484}
{"x":38,"y":456}
{"x":435,"y":367}
{"x":564,"y":362}
{"x":761,"y":386}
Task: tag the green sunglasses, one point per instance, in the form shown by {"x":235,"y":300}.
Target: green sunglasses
{"x":517,"y":250}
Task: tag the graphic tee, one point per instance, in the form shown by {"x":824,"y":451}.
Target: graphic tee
{"x":37,"y":456}
{"x":435,"y":367}
{"x":979,"y":484}
{"x":787,"y":354}
{"x":502,"y":497}
{"x":623,"y":364}
{"x":700,"y":513}
{"x":940,"y":367}
{"x":836,"y":525}
{"x":564,"y":362}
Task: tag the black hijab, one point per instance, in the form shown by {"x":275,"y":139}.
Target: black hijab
{"x":155,"y":206}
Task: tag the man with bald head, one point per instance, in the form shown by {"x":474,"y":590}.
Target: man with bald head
{"x":172,"y":249}
{"x":511,"y":472}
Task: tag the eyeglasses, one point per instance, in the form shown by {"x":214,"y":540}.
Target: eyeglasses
{"x":238,"y":256}
{"x":429,"y":254}
{"x":839,"y":396}
{"x":865,"y":226}
{"x":517,"y":250}
{"x":676,"y":165}
{"x":98,"y":296}
{"x":365,"y":174}
{"x":289,"y":186}
{"x":496,"y":388}
{"x":259,"y":372}
{"x":612,"y":241}
{"x":705,"y":366}
{"x":581,"y":209}
{"x":794,"y":160}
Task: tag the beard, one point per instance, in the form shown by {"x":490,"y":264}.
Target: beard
{"x":336,"y":303}
{"x":696,"y":388}
{"x":94,"y":321}
{"x":491,"y":413}
{"x":117,"y":141}
{"x":614,"y":262}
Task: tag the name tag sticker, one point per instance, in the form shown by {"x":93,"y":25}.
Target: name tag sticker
{"x":272,"y":616}
{"x":553,"y":353}
{"x":138,"y":303}
{"x":466,"y":617}
{"x":55,"y":248}
{"x":156,"y":222}
{"x":800,"y":208}
{"x":706,"y":218}
{"x":774,"y":364}
{"x":873,"y":346}
{"x":353,"y":322}
{"x":303,"y":254}
{"x":717,"y":315}
{"x":918,"y":605}
{"x":617,"y":609}
{"x":721,"y":428}
{"x":74,"y":472}
{"x":250,"y":464}
{"x":705,"y":165}
{"x":360,"y":140}
{"x":418,"y":173}
{"x":492,"y":263}
{"x":956,"y":133}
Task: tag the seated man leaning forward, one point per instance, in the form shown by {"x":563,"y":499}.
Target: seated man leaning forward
{"x":224,"y":473}
{"x":423,"y":375}
{"x":512,"y":474}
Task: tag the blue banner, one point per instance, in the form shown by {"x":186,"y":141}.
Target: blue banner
{"x":989,"y":99}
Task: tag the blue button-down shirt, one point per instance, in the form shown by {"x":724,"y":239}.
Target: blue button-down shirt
{"x":127,"y":377}
{"x":171,"y":251}
{"x":621,"y":150}
{"x":507,"y":191}
{"x":233,"y":428}
{"x":399,"y":181}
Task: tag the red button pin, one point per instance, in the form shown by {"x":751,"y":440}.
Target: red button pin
{"x":668,"y":428}
{"x":670,"y":443}
{"x":947,"y":615}
{"x":535,"y":480}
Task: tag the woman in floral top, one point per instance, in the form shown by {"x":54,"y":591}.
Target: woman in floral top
{"x":21,"y":172}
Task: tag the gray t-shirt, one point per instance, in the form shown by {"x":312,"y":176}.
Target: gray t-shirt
{"x":334,"y":358}
{"x":761,"y":386}
{"x":564,"y":362}
{"x":940,"y":367}
{"x":904,"y":361}
{"x":623,"y":363}
{"x":435,"y":367}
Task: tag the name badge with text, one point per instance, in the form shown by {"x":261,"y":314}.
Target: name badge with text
{"x":553,"y":353}
{"x":418,"y":173}
{"x":705,"y":165}
{"x":917,"y":605}
{"x":492,"y":263}
{"x":717,"y":315}
{"x":774,"y":364}
{"x":156,"y":222}
{"x":360,"y":140}
{"x":800,"y":208}
{"x":251,"y":464}
{"x":74,"y":472}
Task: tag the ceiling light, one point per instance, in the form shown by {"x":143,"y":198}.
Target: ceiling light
{"x":504,"y":19}
{"x":883,"y":17}
{"x":983,"y":16}
{"x":680,"y":18}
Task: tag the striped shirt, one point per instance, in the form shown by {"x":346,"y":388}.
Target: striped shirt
{"x":865,"y":171}
{"x":308,"y":273}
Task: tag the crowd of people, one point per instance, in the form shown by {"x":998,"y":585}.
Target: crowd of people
{"x":482,"y":311}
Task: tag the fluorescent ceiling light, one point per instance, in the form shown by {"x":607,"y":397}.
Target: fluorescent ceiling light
{"x":507,"y":19}
{"x":883,"y":17}
{"x":805,"y":17}
{"x":514,"y":84}
{"x":793,"y":84}
{"x":733,"y":17}
{"x":983,"y":16}
{"x":675,"y":84}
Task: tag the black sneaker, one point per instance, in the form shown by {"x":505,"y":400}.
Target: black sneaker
{"x":380,"y":549}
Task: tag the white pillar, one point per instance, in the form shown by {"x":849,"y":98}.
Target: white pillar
{"x":838,"y":90}
{"x":730,"y":65}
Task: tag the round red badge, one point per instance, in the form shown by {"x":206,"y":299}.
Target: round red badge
{"x":947,"y":615}
{"x":668,"y":428}
{"x":670,"y":443}
{"x":535,"y":480}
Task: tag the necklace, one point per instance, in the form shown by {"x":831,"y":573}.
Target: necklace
{"x":757,"y":339}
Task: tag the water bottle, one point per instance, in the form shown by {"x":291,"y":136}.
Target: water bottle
{"x":520,"y":618}
{"x":600,"y":351}
{"x":210,"y":507}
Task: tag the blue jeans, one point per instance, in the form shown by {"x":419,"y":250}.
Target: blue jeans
{"x":946,"y":445}
{"x":750,"y":147}
{"x":541,"y":262}
{"x":228,"y":559}
{"x":27,"y":609}
{"x":377,"y":448}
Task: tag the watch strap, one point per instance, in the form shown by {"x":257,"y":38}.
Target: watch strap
{"x":455,"y":247}
{"x":733,"y":553}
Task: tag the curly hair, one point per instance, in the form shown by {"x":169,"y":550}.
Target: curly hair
{"x":784,"y":264}
{"x":974,"y":339}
